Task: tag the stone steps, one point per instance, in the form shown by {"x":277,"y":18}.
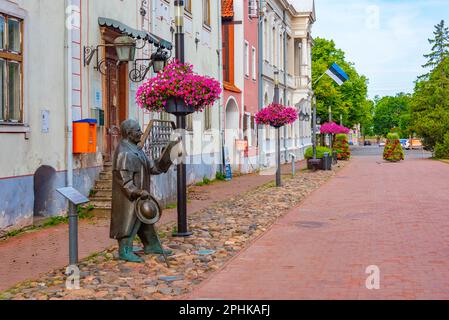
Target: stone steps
{"x":101,"y":198}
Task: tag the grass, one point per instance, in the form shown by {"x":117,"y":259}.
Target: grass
{"x":84,"y":213}
{"x":206,"y":181}
{"x":171,"y":206}
{"x":219,"y":177}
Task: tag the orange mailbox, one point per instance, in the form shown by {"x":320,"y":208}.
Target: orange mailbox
{"x":85,"y":136}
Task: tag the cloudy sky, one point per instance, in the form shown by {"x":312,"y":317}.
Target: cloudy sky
{"x":386,"y":39}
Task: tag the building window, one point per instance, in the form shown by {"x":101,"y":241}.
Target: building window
{"x":253,"y":10}
{"x":273,"y":46}
{"x":206,"y":12}
{"x":246,"y":59}
{"x":254,"y":63}
{"x":189,"y":123}
{"x":208,"y":118}
{"x":11,"y":58}
{"x":188,"y":6}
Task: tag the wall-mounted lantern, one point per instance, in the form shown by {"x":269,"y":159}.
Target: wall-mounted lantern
{"x":125,"y":47}
{"x":307,"y":117}
{"x":158,"y":61}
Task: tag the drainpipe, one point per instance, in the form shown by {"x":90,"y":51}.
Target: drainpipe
{"x":220,"y":79}
{"x":69,"y":103}
{"x":285,"y":82}
{"x":260,"y":77}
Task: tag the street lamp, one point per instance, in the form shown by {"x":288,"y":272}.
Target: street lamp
{"x":181,"y":125}
{"x":278,"y":131}
{"x":314,"y":123}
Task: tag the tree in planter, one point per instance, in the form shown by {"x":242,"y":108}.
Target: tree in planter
{"x":393,"y":149}
{"x":341,"y":146}
{"x":320,"y":151}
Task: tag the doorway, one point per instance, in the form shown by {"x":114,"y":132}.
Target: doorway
{"x":116,"y":91}
{"x":232,"y":130}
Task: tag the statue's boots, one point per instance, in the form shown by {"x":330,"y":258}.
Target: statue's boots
{"x":126,"y":252}
{"x":156,"y":249}
{"x":151,"y":242}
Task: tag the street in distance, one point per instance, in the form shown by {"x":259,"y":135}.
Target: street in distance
{"x":227,"y":310}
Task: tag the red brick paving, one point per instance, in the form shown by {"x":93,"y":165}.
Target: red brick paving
{"x":395,"y":216}
{"x":29,"y":255}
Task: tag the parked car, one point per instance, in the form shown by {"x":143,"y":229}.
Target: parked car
{"x":367,"y":143}
{"x":381,"y":144}
{"x":413,"y":144}
{"x":403,"y":142}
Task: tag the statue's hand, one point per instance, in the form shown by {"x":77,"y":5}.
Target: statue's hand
{"x":144,"y":195}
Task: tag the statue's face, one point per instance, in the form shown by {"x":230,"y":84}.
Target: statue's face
{"x":135,"y":134}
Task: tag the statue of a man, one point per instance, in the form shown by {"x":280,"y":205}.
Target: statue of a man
{"x":131,"y":182}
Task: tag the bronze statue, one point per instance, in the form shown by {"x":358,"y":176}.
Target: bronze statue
{"x":134,"y":210}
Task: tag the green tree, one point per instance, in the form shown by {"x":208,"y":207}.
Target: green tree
{"x":392,"y":114}
{"x":348,"y":100}
{"x":440,"y":48}
{"x":430,"y":106}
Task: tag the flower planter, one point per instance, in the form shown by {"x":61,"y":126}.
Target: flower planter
{"x":315,"y":164}
{"x":178,"y":107}
{"x":178,"y":90}
{"x":276,"y":115}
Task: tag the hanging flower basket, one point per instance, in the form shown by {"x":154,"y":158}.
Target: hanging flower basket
{"x":276,"y":115}
{"x":178,"y":90}
{"x":333,"y":128}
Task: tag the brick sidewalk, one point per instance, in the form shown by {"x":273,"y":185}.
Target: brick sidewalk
{"x":27,"y":256}
{"x":394,"y":216}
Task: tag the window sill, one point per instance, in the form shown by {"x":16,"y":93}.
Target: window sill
{"x":13,"y":128}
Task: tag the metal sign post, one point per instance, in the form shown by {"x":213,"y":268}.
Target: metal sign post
{"x":75,"y":199}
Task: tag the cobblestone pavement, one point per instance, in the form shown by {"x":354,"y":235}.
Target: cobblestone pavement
{"x":220,"y":232}
{"x":29,"y":255}
{"x":373,"y":213}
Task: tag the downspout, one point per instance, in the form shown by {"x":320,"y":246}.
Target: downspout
{"x":260,"y":82}
{"x":285,"y":83}
{"x":220,"y":79}
{"x":69,"y":103}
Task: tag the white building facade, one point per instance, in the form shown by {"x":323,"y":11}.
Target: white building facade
{"x":48,"y":83}
{"x":287,"y":47}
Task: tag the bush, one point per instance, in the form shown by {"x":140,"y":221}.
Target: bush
{"x":220,"y":176}
{"x":341,"y":146}
{"x":320,"y":151}
{"x":442,"y":149}
{"x":393,"y":149}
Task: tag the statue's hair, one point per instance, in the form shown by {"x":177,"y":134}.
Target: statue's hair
{"x":126,"y":127}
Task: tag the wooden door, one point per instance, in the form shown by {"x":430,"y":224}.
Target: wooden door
{"x":116,"y":87}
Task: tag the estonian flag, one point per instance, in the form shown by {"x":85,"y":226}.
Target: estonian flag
{"x":336,"y":73}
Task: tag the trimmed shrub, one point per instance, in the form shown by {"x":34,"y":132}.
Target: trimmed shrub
{"x":341,"y":146}
{"x":393,"y":149}
{"x":320,"y":151}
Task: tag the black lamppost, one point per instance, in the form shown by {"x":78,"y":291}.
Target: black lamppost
{"x":278,"y":132}
{"x":314,"y":121}
{"x":181,"y":125}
